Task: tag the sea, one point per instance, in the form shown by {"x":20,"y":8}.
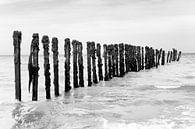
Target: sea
{"x":162,"y":98}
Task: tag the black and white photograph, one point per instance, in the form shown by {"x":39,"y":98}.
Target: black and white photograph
{"x":97,"y":64}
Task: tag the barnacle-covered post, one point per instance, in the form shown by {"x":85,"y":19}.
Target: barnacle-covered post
{"x":67,"y":50}
{"x":55,"y":65}
{"x":45,"y":41}
{"x":17,"y":37}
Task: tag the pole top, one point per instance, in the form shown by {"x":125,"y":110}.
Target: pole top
{"x":45,"y":39}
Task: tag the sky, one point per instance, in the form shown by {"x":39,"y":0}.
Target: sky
{"x":163,"y":24}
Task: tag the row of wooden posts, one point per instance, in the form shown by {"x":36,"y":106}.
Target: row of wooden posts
{"x":119,"y":59}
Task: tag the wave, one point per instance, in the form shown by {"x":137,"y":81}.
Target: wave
{"x":152,"y":124}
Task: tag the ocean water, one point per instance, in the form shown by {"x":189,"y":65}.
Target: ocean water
{"x":162,"y":98}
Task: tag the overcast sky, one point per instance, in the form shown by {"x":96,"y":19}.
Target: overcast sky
{"x":157,"y":23}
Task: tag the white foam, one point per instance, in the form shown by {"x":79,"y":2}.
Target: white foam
{"x":152,"y":124}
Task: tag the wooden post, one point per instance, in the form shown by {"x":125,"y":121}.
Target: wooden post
{"x":150,"y":51}
{"x":147,"y":58}
{"x":168,"y":54}
{"x":138,"y":48}
{"x":121,"y":54}
{"x":33,"y":66}
{"x":106,"y":78}
{"x":80,"y":63}
{"x":113,"y":61}
{"x":157,"y":53}
{"x":163,"y":58}
{"x":109,"y":62}
{"x":99,"y":62}
{"x":171,"y":56}
{"x":17,"y":37}
{"x":75,"y":69}
{"x":67,"y":50}
{"x":179,"y":56}
{"x":159,"y":56}
{"x":175,"y":54}
{"x":126,"y":58}
{"x":116,"y":60}
{"x":89,"y":63}
{"x":142,"y":58}
{"x":45,"y":41}
{"x":134,"y":63}
{"x":131,"y":57}
{"x":153,"y":57}
{"x":55,"y":65}
{"x":93,"y":51}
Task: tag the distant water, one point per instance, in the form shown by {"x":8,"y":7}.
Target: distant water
{"x":162,"y":98}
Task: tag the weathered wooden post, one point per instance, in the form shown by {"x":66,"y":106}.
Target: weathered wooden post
{"x":138,"y":48}
{"x":17,"y":37}
{"x":150,"y":57}
{"x":75,"y":69}
{"x":93,"y":51}
{"x":45,"y":41}
{"x":131,"y":56}
{"x":116,"y":60}
{"x":67,"y":50}
{"x":121,"y":54}
{"x":80,"y":63}
{"x":134,"y":62}
{"x":109,"y":62}
{"x":33,"y":66}
{"x":179,"y":56}
{"x":113,"y":61}
{"x":89,"y":63}
{"x":142,"y":58}
{"x":159,"y":56}
{"x":106,"y":78}
{"x":174,"y":56}
{"x":98,"y":53}
{"x":153,"y":52}
{"x":163,"y":58}
{"x":168,"y":54}
{"x":126,"y":58}
{"x":156,"y":60}
{"x":147,"y":65}
{"x":171,"y":56}
{"x":55,"y":65}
